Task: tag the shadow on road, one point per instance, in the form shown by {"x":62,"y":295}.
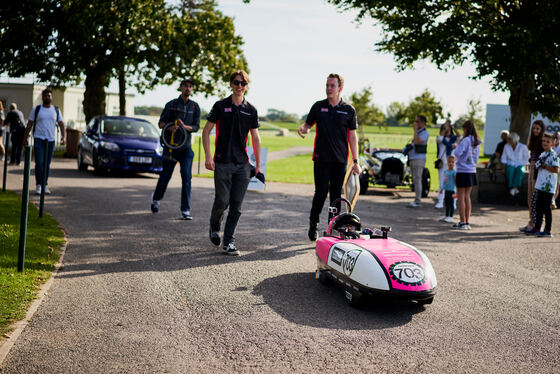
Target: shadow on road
{"x":301,"y":299}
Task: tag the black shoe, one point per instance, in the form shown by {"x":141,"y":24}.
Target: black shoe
{"x":230,"y":250}
{"x":215,"y":238}
{"x":154,"y":206}
{"x":186,"y":215}
{"x":312,"y":233}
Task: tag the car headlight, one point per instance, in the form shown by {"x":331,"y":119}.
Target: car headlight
{"x":159,"y":149}
{"x":110,"y":146}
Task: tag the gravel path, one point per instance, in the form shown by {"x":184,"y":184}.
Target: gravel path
{"x":145,"y":293}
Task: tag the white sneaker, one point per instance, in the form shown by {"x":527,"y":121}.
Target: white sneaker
{"x":47,"y":191}
{"x":512,"y":191}
{"x":442,"y":219}
{"x":516,"y":190}
{"x":439,"y":206}
{"x":449,"y":219}
{"x":38,"y":190}
{"x":414,"y":204}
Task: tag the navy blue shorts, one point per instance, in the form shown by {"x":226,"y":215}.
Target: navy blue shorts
{"x":465,"y":180}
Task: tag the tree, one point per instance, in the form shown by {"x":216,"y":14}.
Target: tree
{"x":145,"y":40}
{"x":280,"y":115}
{"x":474,"y":113}
{"x":516,"y":43}
{"x":367,"y":112}
{"x":424,"y":104}
{"x":395,"y":113}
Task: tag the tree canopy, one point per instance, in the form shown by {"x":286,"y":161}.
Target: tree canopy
{"x":516,"y":43}
{"x":144,"y":42}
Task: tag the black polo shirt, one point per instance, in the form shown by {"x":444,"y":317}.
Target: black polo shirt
{"x":232,"y":127}
{"x":332,"y":131}
{"x":188,"y":112}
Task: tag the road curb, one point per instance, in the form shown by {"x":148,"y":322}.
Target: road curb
{"x":19,"y":326}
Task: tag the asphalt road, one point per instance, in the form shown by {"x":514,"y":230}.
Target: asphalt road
{"x":145,"y":293}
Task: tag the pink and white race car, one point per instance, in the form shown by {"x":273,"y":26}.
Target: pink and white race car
{"x":367,"y":262}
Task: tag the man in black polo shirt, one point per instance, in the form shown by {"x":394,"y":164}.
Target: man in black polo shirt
{"x":187,"y":114}
{"x":234,"y":118}
{"x":336,"y":128}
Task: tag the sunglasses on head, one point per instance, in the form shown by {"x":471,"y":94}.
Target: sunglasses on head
{"x":237,"y":83}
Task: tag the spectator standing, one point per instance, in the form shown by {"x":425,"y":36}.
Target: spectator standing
{"x":44,"y":119}
{"x":467,"y":153}
{"x":445,"y":140}
{"x":417,"y":158}
{"x":15,"y":120}
{"x":535,"y":149}
{"x":449,"y":187}
{"x":547,"y":166}
{"x":515,"y":158}
{"x":336,"y":129}
{"x":187,"y":114}
{"x":234,"y":118}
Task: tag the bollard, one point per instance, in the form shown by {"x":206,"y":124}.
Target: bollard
{"x":44,"y":181}
{"x":24,"y":208}
{"x":5,"y":162}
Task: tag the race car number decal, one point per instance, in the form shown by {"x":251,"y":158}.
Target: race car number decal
{"x":349,"y":261}
{"x":407,"y":273}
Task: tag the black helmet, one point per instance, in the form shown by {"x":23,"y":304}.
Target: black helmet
{"x":346,"y":222}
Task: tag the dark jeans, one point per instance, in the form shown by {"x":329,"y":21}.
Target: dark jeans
{"x":185,"y":160}
{"x":449,"y":203}
{"x":17,"y":145}
{"x":39,"y":147}
{"x":544,"y":199}
{"x":329,"y":177}
{"x":230,"y":182}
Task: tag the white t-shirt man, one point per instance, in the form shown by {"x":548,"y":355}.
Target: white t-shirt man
{"x":46,"y":122}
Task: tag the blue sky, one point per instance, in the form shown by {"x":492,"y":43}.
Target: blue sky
{"x":292,"y":45}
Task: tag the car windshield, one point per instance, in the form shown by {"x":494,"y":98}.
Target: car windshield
{"x":129,"y":127}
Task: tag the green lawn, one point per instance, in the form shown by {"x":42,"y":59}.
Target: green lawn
{"x":44,"y":240}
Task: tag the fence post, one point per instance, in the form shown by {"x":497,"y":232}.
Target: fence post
{"x":24,"y":209}
{"x":44,"y":181}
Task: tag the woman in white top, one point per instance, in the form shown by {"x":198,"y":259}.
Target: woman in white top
{"x":515,"y":158}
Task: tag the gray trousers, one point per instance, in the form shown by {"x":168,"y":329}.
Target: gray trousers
{"x":230,"y":183}
{"x":417,"y":168}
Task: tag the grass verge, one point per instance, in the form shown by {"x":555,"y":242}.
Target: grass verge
{"x":44,"y":240}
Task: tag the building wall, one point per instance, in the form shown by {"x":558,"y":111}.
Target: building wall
{"x":68,"y":99}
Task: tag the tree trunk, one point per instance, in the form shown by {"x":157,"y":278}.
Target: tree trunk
{"x":94,"y":96}
{"x":122,"y":94}
{"x":520,"y":109}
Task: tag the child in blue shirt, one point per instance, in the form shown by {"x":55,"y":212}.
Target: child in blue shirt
{"x":449,"y":187}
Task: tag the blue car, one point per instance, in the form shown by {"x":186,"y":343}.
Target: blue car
{"x":115,"y":142}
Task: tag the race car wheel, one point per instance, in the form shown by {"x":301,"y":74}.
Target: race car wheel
{"x":353,"y":297}
{"x":426,"y":182}
{"x":322,"y":276}
{"x":426,"y":301}
{"x":364,"y":183}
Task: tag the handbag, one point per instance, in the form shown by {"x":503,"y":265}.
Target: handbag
{"x":438,"y":164}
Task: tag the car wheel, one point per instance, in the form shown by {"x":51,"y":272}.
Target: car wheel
{"x":81,"y":165}
{"x":364,"y":183}
{"x":97,"y":168}
{"x":426,"y":182}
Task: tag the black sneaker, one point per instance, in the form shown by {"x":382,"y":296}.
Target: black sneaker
{"x":312,"y":232}
{"x":186,"y":215}
{"x":230,"y":250}
{"x":154,"y":206}
{"x":215,"y":238}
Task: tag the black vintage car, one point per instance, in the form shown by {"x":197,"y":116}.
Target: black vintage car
{"x":389,"y":167}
